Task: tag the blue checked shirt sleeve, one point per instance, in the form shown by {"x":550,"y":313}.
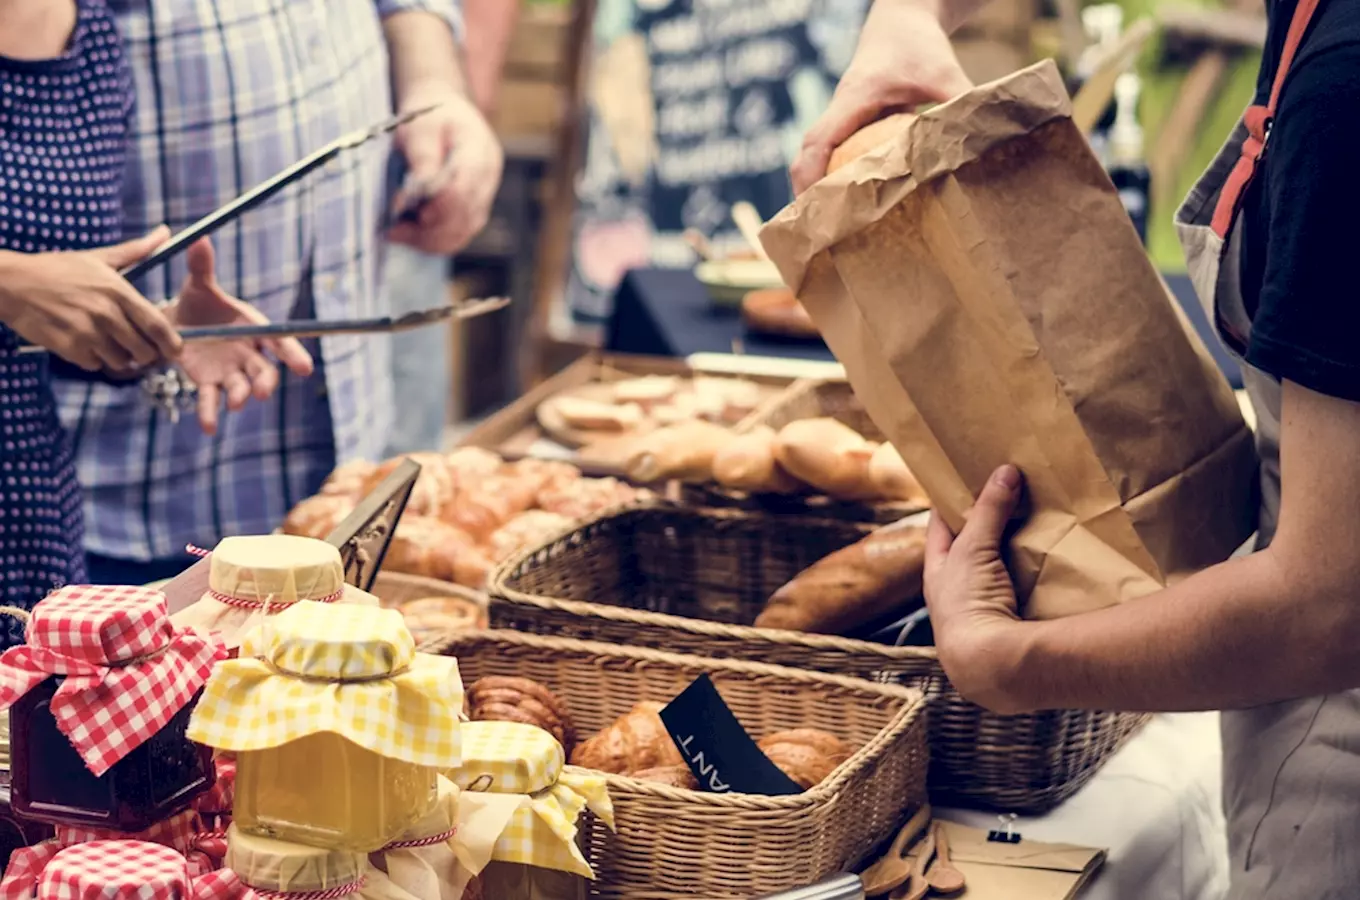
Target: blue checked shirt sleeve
{"x":450,"y":11}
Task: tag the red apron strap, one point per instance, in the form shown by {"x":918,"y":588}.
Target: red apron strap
{"x":1258,"y":119}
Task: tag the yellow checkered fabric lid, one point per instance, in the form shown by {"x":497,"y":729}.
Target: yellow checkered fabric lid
{"x":523,"y":764}
{"x":351,"y":670}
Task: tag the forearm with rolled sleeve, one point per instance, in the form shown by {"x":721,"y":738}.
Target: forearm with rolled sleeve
{"x":450,"y":11}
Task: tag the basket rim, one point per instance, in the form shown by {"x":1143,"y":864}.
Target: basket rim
{"x":913,"y":708}
{"x":437,"y":586}
{"x":499,"y":590}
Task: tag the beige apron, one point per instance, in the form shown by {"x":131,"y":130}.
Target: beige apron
{"x":1291,"y":771}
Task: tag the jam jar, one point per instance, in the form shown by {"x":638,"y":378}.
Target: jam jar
{"x":153,"y":782}
{"x":99,"y":700}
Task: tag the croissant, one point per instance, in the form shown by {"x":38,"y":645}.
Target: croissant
{"x":675,"y":776}
{"x":635,"y":742}
{"x":806,"y":755}
{"x":504,"y":699}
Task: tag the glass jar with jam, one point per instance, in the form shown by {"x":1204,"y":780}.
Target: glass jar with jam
{"x":256,"y":576}
{"x":514,"y":782}
{"x":338,"y":726}
{"x":99,"y":700}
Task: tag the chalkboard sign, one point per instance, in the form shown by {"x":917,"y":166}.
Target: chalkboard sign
{"x":731,"y":86}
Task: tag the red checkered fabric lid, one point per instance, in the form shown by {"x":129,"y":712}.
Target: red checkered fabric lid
{"x":114,"y":870}
{"x":127,"y":670}
{"x":203,"y":845}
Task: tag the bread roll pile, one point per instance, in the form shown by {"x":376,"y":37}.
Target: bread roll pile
{"x":820,"y":455}
{"x":468,"y":510}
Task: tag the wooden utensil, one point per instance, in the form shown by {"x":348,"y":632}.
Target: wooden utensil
{"x":943,"y":877}
{"x":893,"y":869}
{"x":918,"y":887}
{"x":748,"y":223}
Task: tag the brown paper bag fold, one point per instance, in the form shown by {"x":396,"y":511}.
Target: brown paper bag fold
{"x":988,"y":296}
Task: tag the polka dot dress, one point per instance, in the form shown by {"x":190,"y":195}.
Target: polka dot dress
{"x":63,"y":123}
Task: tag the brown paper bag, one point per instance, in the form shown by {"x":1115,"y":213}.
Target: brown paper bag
{"x":990,"y":301}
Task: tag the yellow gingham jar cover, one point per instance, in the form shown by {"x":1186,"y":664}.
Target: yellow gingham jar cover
{"x":523,"y":765}
{"x":351,"y":670}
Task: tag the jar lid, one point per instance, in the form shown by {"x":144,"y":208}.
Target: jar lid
{"x":351,"y":670}
{"x":507,"y":758}
{"x":127,"y":670}
{"x":128,"y":870}
{"x":275,"y":569}
{"x":266,"y":864}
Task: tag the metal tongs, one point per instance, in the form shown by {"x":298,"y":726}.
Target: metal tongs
{"x":298,"y":327}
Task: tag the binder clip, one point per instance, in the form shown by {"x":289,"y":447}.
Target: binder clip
{"x":1007,"y":833}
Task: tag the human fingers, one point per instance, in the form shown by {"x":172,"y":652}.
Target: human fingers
{"x":119,"y":256}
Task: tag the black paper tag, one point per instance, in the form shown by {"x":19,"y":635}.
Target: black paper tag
{"x":719,"y":752}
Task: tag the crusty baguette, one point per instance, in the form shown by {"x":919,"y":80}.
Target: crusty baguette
{"x":891,"y":478}
{"x":747,"y":463}
{"x":683,"y":451}
{"x":828,"y":455}
{"x":854,"y":586}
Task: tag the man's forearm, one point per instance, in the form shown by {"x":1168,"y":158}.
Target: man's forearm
{"x":489,"y":25}
{"x":1249,"y":631}
{"x":425,"y":56}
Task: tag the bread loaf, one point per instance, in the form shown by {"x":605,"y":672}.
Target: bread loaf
{"x":777,"y":311}
{"x":891,"y":478}
{"x":635,"y":742}
{"x":482,"y":509}
{"x":854,"y":586}
{"x":870,"y":137}
{"x":747,"y":463}
{"x":806,"y":755}
{"x":828,"y":455}
{"x":592,"y":415}
{"x":506,"y":699}
{"x":683,"y":451}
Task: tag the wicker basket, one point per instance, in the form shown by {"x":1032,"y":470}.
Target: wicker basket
{"x":691,"y":581}
{"x":806,"y":399}
{"x":674,"y":843}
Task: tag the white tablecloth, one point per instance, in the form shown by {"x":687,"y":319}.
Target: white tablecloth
{"x":1155,"y":806}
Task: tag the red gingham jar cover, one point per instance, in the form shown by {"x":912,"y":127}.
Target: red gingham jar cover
{"x":128,"y":670}
{"x":116,"y":870}
{"x":204,"y":846}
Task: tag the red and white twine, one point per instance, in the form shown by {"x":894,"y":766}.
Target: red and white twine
{"x":343,"y":890}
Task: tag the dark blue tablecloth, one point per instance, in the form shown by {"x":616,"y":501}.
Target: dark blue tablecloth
{"x":667,"y":312}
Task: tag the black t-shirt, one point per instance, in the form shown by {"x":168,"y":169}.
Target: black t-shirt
{"x":1301,"y":247}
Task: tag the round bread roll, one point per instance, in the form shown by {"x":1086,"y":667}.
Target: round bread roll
{"x":528,"y":529}
{"x":316,"y":517}
{"x":870,"y":137}
{"x":434,"y":488}
{"x":806,"y":755}
{"x":435,"y":549}
{"x":635,"y":742}
{"x":350,"y":479}
{"x":585,"y":497}
{"x":431,"y":616}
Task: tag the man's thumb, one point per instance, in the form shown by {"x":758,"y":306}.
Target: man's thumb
{"x":120,"y":256}
{"x":424,"y":151}
{"x":989,"y":515}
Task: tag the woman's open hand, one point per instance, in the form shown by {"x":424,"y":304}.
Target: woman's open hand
{"x":239,"y":369}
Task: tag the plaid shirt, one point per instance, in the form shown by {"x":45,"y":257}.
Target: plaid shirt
{"x":228,"y":93}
